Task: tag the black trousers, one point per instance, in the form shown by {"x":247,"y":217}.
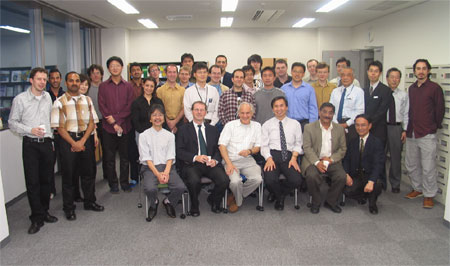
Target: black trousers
{"x":112,"y":143}
{"x":77,"y":176}
{"x":192,"y":175}
{"x":38,"y":166}
{"x":76,"y":164}
{"x":314,"y":180}
{"x":356,"y":191}
{"x":281,"y":188}
{"x":133,"y":155}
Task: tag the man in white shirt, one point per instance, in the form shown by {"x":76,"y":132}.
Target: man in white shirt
{"x":342,"y":63}
{"x":203,"y":92}
{"x":281,"y":144}
{"x":239,"y":140}
{"x":324,"y":145}
{"x":349,"y":102}
{"x":397,"y":123}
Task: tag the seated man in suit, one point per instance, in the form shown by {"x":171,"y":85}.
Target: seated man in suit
{"x":364,"y":163}
{"x":324,"y":146}
{"x":281,"y":144}
{"x":240,"y":139}
{"x":198,"y":151}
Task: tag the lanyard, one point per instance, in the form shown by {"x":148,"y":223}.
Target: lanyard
{"x":206,"y":99}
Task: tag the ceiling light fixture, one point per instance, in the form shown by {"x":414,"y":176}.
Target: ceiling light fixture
{"x":148,"y":23}
{"x":124,"y":6}
{"x":229,"y":5}
{"x":226,"y":22}
{"x":15,"y":29}
{"x":333,"y":4}
{"x":301,"y":23}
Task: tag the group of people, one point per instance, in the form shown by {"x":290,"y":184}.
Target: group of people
{"x":237,"y":129}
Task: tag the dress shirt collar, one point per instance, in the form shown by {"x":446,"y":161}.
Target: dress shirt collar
{"x":69,"y":97}
{"x":111,"y":81}
{"x":375,"y":84}
{"x":323,"y":128}
{"x":153,"y":129}
{"x":316,"y":83}
{"x":200,"y":87}
{"x":244,"y":125}
{"x":196,"y":125}
{"x":283,"y":121}
{"x":364,"y":138}
{"x":301,"y":85}
{"x":32,"y":96}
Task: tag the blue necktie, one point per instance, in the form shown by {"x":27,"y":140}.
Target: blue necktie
{"x":341,"y":106}
{"x":201,"y":141}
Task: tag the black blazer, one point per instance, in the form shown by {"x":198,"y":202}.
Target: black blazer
{"x":187,"y":143}
{"x":140,"y":117}
{"x":227,"y":80}
{"x":376,"y":107}
{"x":373,"y":158}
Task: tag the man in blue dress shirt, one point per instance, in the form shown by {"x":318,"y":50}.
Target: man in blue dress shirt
{"x":301,"y":96}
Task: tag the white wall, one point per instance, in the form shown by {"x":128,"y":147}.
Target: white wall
{"x":421,"y":31}
{"x":4,"y":227}
{"x":11,"y":165}
{"x":115,"y":43}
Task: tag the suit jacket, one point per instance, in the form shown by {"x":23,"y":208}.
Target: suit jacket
{"x":187,"y":143}
{"x":376,"y":107}
{"x":372,"y":161}
{"x":312,"y":144}
{"x":227,"y":80}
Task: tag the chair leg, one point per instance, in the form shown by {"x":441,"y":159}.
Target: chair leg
{"x":296,"y":206}
{"x":140,"y":191}
{"x":146,"y":209}
{"x":309,"y":204}
{"x":183,"y":202}
{"x":224,"y":202}
{"x":260,"y":206}
{"x":343,"y":200}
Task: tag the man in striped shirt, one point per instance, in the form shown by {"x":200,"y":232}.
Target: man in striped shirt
{"x":74,"y":116}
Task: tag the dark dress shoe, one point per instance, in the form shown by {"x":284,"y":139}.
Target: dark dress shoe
{"x":70,"y":215}
{"x":362,"y":201}
{"x":78,"y":199}
{"x":170,"y":210}
{"x":114,"y":190}
{"x":271,"y":197}
{"x":373,"y":209}
{"x":335,"y":209}
{"x":215,"y":208}
{"x":35,"y":227}
{"x":279,"y":204}
{"x":94,"y":207}
{"x":396,"y":190}
{"x":315,"y":209}
{"x":152,"y":211}
{"x":49,"y":218}
{"x":195,"y":213}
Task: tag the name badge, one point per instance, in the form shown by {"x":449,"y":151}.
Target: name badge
{"x":210,"y":100}
{"x":375,"y":97}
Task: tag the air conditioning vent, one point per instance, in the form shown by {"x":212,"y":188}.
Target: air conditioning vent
{"x":179,"y":17}
{"x":264,"y":16}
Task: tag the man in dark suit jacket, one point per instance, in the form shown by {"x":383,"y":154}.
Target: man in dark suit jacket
{"x":222,"y":61}
{"x":364,"y":164}
{"x":377,"y":99}
{"x":198,"y":151}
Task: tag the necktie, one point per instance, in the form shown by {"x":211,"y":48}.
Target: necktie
{"x":201,"y":141}
{"x":361,"y":152}
{"x":284,"y":152}
{"x":341,"y":105}
{"x":370,"y":90}
{"x":392,"y":111}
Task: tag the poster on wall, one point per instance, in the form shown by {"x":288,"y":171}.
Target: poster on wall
{"x":4,"y":76}
{"x":16,"y":76}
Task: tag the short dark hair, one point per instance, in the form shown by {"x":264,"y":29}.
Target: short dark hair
{"x":254,"y":58}
{"x":376,"y":63}
{"x":84,"y":78}
{"x":298,"y":64}
{"x":365,"y":117}
{"x":268,"y":68}
{"x":393,"y":69}
{"x":36,"y":70}
{"x":187,"y":55}
{"x":55,"y":70}
{"x":323,"y":65}
{"x":114,"y":58}
{"x":135,"y":64}
{"x":327,"y":104}
{"x":156,"y":107}
{"x":198,"y":102}
{"x":422,"y":61}
{"x":215,"y":66}
{"x":279,"y":98}
{"x":281,"y":61}
{"x":71,"y":72}
{"x":343,"y":59}
{"x":154,"y":84}
{"x":247,"y":68}
{"x":93,"y":67}
{"x":221,"y":55}
{"x":199,"y":66}
{"x":238,"y":70}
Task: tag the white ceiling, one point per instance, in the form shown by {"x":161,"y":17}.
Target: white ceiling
{"x":207,"y":13}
